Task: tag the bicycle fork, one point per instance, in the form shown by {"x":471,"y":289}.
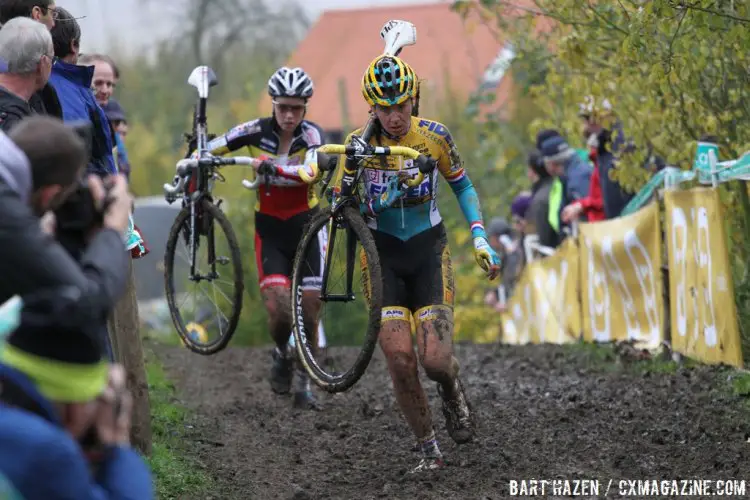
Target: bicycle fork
{"x":198,"y":220}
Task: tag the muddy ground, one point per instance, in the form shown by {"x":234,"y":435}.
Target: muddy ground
{"x":546,"y":412}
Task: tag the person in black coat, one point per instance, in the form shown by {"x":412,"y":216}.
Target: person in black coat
{"x":40,"y":165}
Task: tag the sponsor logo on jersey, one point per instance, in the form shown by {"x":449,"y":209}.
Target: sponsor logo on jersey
{"x":376,"y":184}
{"x":268,"y":143}
{"x":311,"y":135}
{"x":437,"y":129}
{"x":242,"y":129}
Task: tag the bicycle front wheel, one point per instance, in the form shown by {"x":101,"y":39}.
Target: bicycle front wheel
{"x":203,"y":278}
{"x":350,"y":245}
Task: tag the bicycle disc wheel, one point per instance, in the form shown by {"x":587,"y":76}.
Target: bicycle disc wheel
{"x":206,"y":323}
{"x":348,"y":232}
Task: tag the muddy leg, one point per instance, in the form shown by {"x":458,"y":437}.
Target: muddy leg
{"x":277,"y":300}
{"x":395,"y":340}
{"x":435,"y":347}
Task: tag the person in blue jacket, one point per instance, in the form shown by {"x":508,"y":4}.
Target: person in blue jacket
{"x":73,"y":86}
{"x":64,"y":411}
{"x":116,"y":116}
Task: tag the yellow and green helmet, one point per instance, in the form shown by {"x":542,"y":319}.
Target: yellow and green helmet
{"x":388,"y":81}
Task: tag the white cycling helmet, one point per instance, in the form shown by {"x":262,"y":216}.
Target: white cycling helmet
{"x":290,"y":82}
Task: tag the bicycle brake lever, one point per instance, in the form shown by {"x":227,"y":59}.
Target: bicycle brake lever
{"x":426,"y":164}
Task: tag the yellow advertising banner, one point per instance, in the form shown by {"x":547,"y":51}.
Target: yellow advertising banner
{"x":702,"y":308}
{"x":621,"y":285}
{"x":545,"y":307}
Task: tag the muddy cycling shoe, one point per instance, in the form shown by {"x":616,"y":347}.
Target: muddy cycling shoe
{"x":281,"y":372}
{"x":459,"y":418}
{"x":305,"y":400}
{"x":428,"y":464}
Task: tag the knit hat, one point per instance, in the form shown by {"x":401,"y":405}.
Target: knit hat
{"x":536,"y":163}
{"x":57,"y":346}
{"x":498,"y":226}
{"x":114,"y":111}
{"x":520,"y":205}
{"x":556,"y":149}
{"x":545,"y":134}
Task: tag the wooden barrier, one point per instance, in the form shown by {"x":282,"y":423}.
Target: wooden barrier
{"x":127,"y":346}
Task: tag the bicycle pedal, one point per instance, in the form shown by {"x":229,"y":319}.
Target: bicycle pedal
{"x":222,"y":260}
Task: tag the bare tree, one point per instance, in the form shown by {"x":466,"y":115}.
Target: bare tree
{"x":211,"y":28}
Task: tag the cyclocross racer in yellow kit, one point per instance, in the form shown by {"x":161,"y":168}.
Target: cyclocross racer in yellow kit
{"x":414,"y":255}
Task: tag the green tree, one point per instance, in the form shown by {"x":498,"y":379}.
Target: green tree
{"x":673,"y":70}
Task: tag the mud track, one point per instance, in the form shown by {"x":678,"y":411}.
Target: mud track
{"x":545,"y":411}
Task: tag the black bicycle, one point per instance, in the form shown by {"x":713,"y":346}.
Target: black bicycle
{"x":346,"y":229}
{"x":197,"y":228}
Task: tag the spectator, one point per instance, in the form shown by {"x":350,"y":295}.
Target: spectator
{"x":558,"y":195}
{"x":499,"y":236}
{"x":73,"y":86}
{"x":41,"y":11}
{"x":600,"y":123}
{"x":106,"y":75}
{"x":508,"y":241}
{"x":116,"y":116}
{"x":40,"y":165}
{"x":26,"y":48}
{"x":64,"y":410}
{"x":518,"y":209}
{"x":538,"y":215}
{"x":563,"y":160}
{"x":592,"y":205}
{"x":44,"y":101}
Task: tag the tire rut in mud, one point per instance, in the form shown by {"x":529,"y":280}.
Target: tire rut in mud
{"x":545,"y":412}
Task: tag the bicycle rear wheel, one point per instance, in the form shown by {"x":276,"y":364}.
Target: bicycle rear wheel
{"x":220,"y":268}
{"x":347,"y":230}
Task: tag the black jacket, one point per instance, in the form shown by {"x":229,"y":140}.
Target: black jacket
{"x":13,"y":109}
{"x":46,"y":102}
{"x":31,"y":260}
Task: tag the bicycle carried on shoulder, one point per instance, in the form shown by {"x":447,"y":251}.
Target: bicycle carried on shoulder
{"x":346,"y":227}
{"x":195,"y":227}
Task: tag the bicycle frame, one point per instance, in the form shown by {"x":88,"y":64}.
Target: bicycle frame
{"x":348,"y":196}
{"x":202,"y":78}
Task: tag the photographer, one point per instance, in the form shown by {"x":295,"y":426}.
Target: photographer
{"x":40,"y":167}
{"x":64,"y":412}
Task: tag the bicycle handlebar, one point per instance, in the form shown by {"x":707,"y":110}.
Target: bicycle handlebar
{"x":186,"y":166}
{"x":359,"y":149}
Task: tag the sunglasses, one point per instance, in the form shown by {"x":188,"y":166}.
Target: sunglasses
{"x":289,"y":108}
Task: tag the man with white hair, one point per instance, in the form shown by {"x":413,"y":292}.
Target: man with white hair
{"x":26,"y":48}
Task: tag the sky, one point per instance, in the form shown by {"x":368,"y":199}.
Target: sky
{"x":140,"y":21}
